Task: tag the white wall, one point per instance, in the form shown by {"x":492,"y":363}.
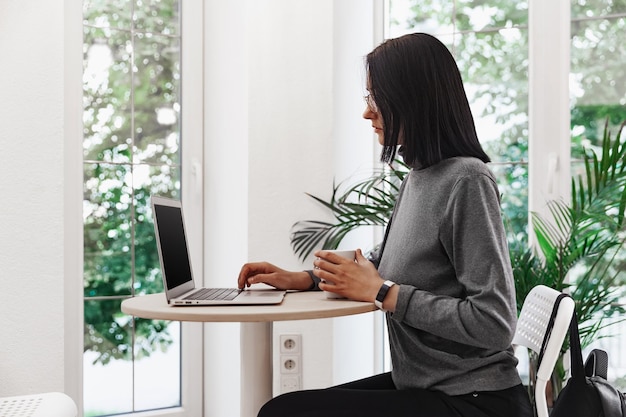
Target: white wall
{"x":32,"y":133}
{"x":357,"y":29}
{"x":306,"y":83}
{"x":283,"y":105}
{"x":226,"y":197}
{"x":291,"y":145}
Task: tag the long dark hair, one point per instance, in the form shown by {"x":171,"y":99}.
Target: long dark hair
{"x":418,"y":91}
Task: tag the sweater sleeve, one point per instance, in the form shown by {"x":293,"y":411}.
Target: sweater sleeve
{"x":472,"y":235}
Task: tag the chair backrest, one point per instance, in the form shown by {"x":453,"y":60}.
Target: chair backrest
{"x":532,"y":326}
{"x":49,"y":404}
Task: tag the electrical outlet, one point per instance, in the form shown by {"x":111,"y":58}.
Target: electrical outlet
{"x":290,"y":362}
{"x":290,"y":343}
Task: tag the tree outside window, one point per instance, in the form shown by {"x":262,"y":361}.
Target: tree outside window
{"x":131,"y":149}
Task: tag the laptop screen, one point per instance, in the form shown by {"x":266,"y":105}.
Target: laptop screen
{"x":171,"y":235}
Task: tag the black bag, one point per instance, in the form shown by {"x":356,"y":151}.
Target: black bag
{"x":587,"y":393}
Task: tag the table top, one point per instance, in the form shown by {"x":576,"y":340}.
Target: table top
{"x":295,"y":306}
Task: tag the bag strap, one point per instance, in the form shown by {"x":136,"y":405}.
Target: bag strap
{"x":576,"y":355}
{"x":546,"y":337}
{"x":597,"y":363}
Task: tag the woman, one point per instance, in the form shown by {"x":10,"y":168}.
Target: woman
{"x":442,"y":273}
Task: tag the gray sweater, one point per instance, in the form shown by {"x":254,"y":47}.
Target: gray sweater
{"x":456,"y":314}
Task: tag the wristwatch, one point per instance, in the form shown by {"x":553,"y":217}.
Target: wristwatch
{"x":382,"y":293}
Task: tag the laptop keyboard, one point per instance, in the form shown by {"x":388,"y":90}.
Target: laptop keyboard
{"x":214,"y":294}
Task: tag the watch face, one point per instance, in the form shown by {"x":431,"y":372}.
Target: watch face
{"x":382,"y":293}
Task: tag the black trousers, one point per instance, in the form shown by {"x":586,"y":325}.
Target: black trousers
{"x":377,"y":396}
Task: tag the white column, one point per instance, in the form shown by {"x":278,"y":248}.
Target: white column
{"x":73,"y":203}
{"x":355,"y":152}
{"x":225,"y":188}
{"x":549,"y":110}
{"x":256,"y":367}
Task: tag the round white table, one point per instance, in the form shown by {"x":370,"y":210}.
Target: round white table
{"x":256,"y":330}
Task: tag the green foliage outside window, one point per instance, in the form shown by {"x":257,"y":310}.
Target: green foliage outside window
{"x":131,"y":143}
{"x":489,"y":39}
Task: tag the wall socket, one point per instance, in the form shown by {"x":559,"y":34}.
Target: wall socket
{"x":290,"y":362}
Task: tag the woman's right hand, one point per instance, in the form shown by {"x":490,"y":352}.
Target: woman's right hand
{"x":266,"y":273}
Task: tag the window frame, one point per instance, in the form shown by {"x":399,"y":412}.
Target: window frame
{"x":548,"y":114}
{"x":192,"y":127}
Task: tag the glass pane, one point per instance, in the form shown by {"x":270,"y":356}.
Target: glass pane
{"x":429,"y":16}
{"x":107,"y":370}
{"x":107,"y":218}
{"x":157,"y":99}
{"x":106,"y":95}
{"x":597,"y":79}
{"x":159,"y":180}
{"x":594,"y":8}
{"x":512,"y":181}
{"x":472,"y":15}
{"x":157,"y":16}
{"x":612,"y":339}
{"x":107,"y":13}
{"x":164,"y":180}
{"x":131,"y":150}
{"x":157,"y":368}
{"x":494,"y":67}
{"x":577,"y":168}
{"x":454,"y":16}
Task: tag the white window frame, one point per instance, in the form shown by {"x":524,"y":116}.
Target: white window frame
{"x":73,"y":198}
{"x":549,"y":110}
{"x":192,"y":151}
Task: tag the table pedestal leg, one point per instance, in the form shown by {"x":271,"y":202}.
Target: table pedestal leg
{"x":256,"y":366}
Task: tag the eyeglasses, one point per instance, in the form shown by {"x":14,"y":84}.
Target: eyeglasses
{"x":369,"y":100}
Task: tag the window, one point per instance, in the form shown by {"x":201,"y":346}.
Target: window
{"x":490,"y":44}
{"x":597,"y":79}
{"x":489,"y":41}
{"x":598,"y":95}
{"x":132,"y":148}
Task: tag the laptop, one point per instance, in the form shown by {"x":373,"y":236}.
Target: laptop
{"x":180,"y":288}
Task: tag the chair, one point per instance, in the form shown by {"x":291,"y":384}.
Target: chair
{"x":50,"y":404}
{"x":532,"y":325}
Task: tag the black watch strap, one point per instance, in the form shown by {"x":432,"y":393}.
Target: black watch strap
{"x":382,"y":293}
{"x":316,"y":281}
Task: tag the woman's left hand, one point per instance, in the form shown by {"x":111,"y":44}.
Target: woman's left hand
{"x":358,"y":280}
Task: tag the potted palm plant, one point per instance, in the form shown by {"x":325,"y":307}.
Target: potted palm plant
{"x":576,"y":247}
